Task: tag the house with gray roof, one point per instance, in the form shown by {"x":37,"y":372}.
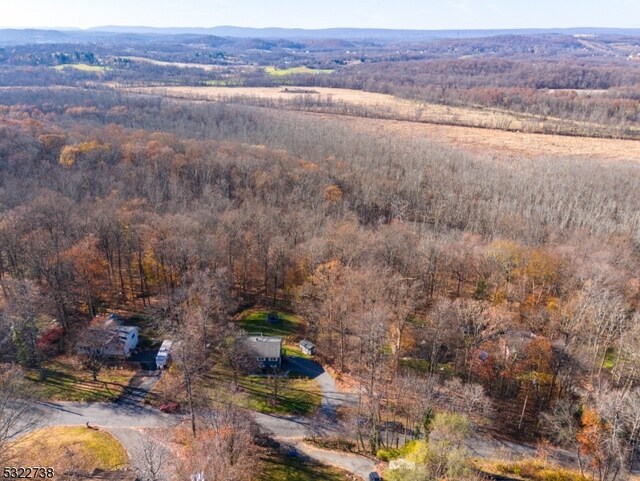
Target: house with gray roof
{"x":267,"y":349}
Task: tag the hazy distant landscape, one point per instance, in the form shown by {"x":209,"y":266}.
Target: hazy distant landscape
{"x":239,"y":254}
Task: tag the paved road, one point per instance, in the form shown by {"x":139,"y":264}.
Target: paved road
{"x":358,"y":465}
{"x":107,"y":415}
{"x":139,"y":386}
{"x":293,"y":429}
{"x":125,"y":422}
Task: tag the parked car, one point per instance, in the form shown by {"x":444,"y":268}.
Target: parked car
{"x":170,"y":408}
{"x":374,"y":477}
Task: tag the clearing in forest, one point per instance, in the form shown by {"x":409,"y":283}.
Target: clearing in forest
{"x":82,"y":67}
{"x":376,"y":105}
{"x":476,"y":137}
{"x":276,"y":72}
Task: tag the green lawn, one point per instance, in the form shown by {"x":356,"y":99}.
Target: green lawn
{"x":295,"y":395}
{"x":255,"y":321}
{"x":282,"y":468}
{"x":276,"y":72}
{"x":66,"y":382}
{"x":294,"y":350}
{"x":83,"y":66}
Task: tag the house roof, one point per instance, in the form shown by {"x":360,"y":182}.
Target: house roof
{"x":106,"y":320}
{"x":99,"y":337}
{"x":125,"y":331}
{"x":96,"y":338}
{"x":265,"y":346}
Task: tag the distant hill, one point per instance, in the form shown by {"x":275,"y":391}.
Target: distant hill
{"x":121,"y":34}
{"x":33,"y":36}
{"x":357,"y":33}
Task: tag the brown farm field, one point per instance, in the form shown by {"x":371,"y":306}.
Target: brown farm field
{"x":361,"y":103}
{"x":500,"y":143}
{"x":203,"y":66}
{"x":484,"y":133}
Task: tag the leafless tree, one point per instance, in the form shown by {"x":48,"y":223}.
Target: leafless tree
{"x":19,"y":414}
{"x":152,"y":458}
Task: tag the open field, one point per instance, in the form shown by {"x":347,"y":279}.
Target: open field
{"x":384,"y":104}
{"x":499,"y":143}
{"x":370,"y":104}
{"x":160,"y":63}
{"x":276,"y":72}
{"x":83,"y":67}
{"x":66,"y":382}
{"x":483,"y":141}
{"x":203,"y":66}
{"x":65,"y":447}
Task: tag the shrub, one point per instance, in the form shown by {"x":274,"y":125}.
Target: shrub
{"x":387,"y":454}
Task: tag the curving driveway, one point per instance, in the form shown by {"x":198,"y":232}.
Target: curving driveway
{"x":126,"y":420}
{"x":331,"y":397}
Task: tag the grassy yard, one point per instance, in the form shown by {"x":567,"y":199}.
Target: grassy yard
{"x":255,"y":321}
{"x":66,"y":382}
{"x":294,"y":350}
{"x":295,"y":395}
{"x":276,"y":72}
{"x":282,"y":468}
{"x":69,"y":448}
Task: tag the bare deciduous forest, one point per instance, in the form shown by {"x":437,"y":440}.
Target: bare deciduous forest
{"x":434,"y":281}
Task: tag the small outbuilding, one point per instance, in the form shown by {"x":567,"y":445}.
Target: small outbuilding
{"x":307,"y":347}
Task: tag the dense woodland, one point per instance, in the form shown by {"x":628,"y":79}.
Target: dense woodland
{"x":506,"y":290}
{"x":521,"y":277}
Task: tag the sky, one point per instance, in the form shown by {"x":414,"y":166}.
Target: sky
{"x":405,"y":14}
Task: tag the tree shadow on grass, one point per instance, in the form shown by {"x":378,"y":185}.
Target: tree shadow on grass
{"x":68,"y":387}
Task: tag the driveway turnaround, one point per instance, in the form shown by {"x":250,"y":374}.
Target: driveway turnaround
{"x":125,"y":421}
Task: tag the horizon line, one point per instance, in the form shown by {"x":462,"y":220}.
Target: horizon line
{"x":122,"y":26}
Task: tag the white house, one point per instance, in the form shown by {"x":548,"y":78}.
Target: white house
{"x":111,"y":342}
{"x":128,"y":336}
{"x":267,"y":349}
